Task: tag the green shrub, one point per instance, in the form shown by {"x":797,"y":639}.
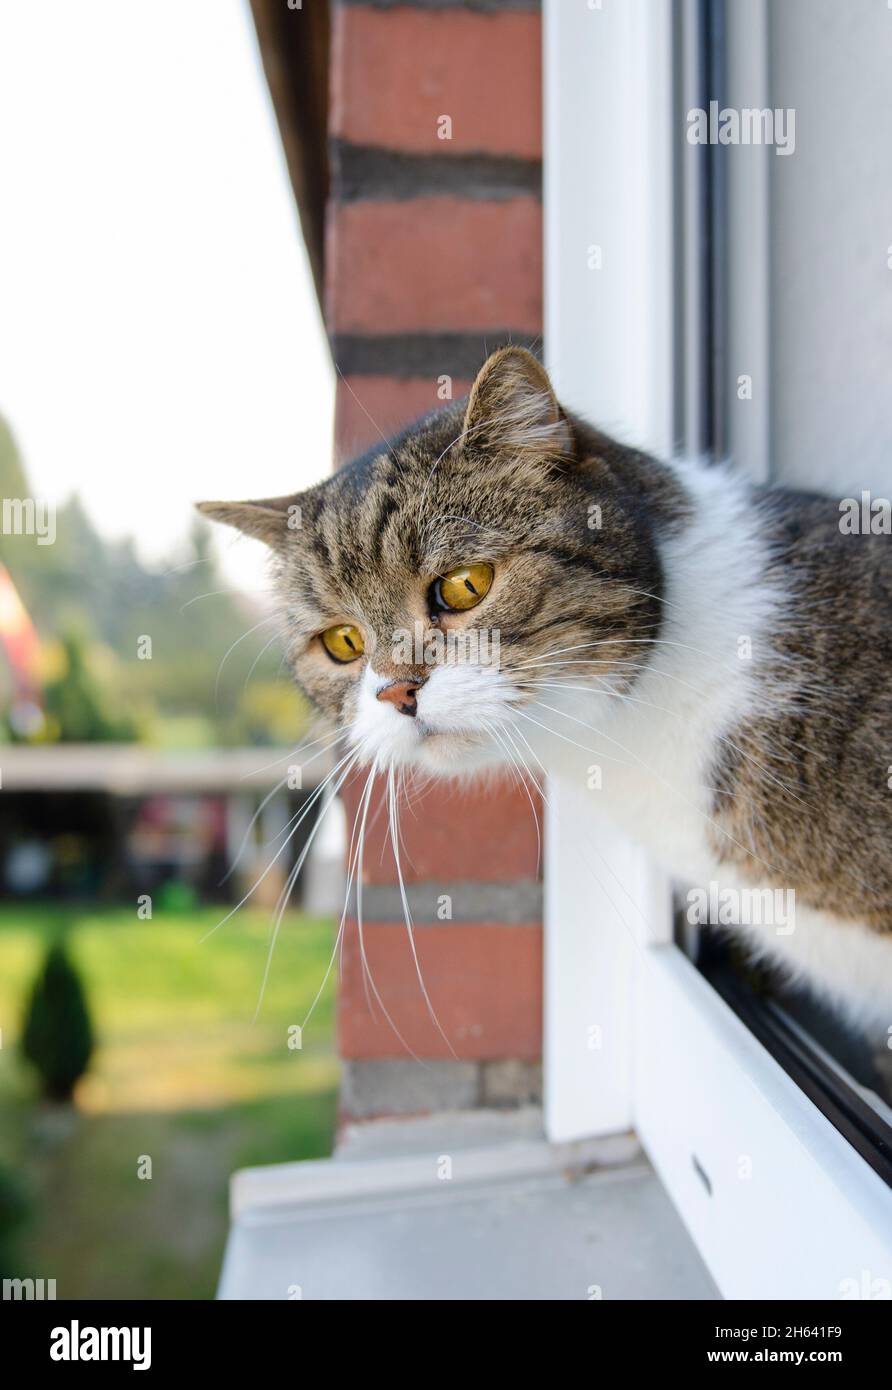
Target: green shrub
{"x":58,"y":1036}
{"x":13,"y":1210}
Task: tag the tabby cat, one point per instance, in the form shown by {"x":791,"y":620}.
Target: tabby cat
{"x":720,"y":652}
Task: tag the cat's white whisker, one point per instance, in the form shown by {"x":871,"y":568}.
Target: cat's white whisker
{"x":290,"y":881}
{"x":526,"y":781}
{"x":259,"y":657}
{"x":265,"y":802}
{"x":329,"y":734}
{"x":339,"y":935}
{"x":525,"y":714}
{"x":519,"y":768}
{"x":211,"y":593}
{"x":631,"y":934}
{"x":773,"y":868}
{"x":394,"y":837}
{"x":359,"y":922}
{"x":311,"y":801}
{"x":673,"y":714}
{"x":649,"y":642}
{"x":368,"y":415}
{"x":238,"y":641}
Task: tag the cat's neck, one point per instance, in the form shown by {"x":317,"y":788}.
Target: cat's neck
{"x":707,"y":667}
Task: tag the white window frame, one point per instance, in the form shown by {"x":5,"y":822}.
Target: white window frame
{"x":635,"y":1037}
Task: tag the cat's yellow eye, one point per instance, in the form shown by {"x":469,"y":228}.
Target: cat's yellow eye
{"x":343,"y":642}
{"x":463,"y":587}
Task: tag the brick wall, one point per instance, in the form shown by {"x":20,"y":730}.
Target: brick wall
{"x":433,"y":257}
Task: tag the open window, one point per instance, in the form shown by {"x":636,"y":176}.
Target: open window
{"x":730,"y":306}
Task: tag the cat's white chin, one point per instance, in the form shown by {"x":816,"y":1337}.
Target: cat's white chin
{"x":440,"y":753}
{"x":449,"y":733}
{"x":445,"y":754}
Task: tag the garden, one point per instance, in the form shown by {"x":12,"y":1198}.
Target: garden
{"x":113,"y":1181}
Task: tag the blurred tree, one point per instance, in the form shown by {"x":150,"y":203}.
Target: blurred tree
{"x":58,"y":1036}
{"x":77,"y":709}
{"x":211,"y":647}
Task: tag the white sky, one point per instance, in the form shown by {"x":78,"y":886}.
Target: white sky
{"x":159,"y":335}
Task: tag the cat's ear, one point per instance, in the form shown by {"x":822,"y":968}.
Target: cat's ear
{"x":513,"y":408}
{"x":270,"y":519}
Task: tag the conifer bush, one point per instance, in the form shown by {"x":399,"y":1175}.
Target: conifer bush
{"x":58,"y":1035}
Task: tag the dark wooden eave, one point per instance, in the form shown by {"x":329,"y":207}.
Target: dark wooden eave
{"x":294,"y":49}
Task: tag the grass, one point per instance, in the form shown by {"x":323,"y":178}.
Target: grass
{"x":182,"y":1076}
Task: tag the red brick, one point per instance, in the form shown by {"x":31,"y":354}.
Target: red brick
{"x":369,"y":407}
{"x":444,"y":263}
{"x":395,"y":72}
{"x":484,"y":982}
{"x":485,"y":833}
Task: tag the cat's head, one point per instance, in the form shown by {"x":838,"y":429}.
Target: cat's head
{"x":431,"y":587}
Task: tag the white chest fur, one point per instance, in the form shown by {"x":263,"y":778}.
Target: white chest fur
{"x":647,"y":760}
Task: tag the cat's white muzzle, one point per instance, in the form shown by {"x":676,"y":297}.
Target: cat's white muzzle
{"x":449,"y":732}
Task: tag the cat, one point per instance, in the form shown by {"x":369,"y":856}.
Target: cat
{"x":721,"y":652}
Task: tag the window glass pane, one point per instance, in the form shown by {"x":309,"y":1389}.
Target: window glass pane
{"x":785,"y":248}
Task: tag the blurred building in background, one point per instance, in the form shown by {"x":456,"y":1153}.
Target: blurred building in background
{"x":114,"y":822}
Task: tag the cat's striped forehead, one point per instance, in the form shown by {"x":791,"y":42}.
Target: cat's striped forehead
{"x":425,"y":501}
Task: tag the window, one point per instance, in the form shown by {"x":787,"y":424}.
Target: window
{"x":668,"y":279}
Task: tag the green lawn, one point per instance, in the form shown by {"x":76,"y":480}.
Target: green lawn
{"x":181,"y":1074}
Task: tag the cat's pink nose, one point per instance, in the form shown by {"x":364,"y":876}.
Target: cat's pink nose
{"x":401,"y":694}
